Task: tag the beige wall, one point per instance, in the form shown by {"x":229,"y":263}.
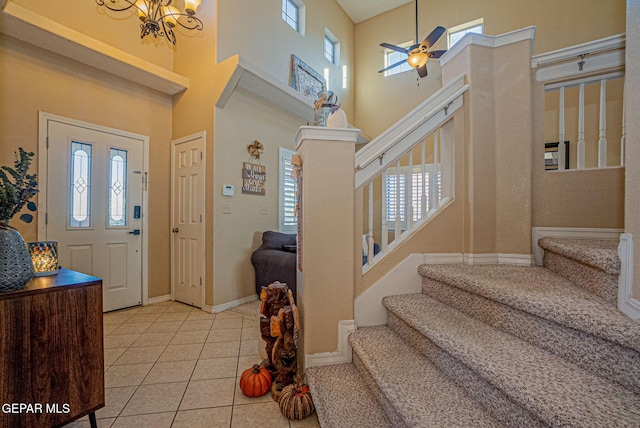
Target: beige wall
{"x":244,"y":119}
{"x":382,"y":101}
{"x":632,"y":159}
{"x":35,"y":80}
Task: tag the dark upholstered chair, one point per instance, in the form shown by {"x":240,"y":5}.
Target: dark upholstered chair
{"x":275,"y":260}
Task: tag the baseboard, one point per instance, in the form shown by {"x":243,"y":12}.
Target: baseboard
{"x":159,"y":299}
{"x":627,"y":304}
{"x":229,"y":305}
{"x":567,"y":232}
{"x":498,"y":258}
{"x":344,"y":353}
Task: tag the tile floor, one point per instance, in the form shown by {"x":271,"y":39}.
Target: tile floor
{"x":171,"y":365}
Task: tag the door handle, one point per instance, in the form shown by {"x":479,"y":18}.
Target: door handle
{"x":175,"y":230}
{"x":135,"y":232}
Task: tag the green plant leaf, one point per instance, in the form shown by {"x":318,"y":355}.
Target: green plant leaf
{"x":31,"y":206}
{"x":27,"y":218}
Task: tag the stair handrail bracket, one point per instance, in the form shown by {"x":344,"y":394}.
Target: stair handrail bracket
{"x":396,"y":141}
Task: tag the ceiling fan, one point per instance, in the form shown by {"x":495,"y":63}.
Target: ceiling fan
{"x":418,"y":54}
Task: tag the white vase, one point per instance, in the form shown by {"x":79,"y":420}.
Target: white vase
{"x":337,"y":119}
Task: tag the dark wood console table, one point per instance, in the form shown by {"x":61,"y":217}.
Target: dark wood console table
{"x":51,"y":351}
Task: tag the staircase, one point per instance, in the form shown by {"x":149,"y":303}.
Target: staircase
{"x":495,"y":345}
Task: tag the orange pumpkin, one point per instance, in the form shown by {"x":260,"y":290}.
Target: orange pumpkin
{"x":255,"y":381}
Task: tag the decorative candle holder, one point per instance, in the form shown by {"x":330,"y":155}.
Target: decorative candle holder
{"x":45,"y":257}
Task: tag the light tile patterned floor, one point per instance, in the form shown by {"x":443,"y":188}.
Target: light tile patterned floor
{"x":171,"y":365}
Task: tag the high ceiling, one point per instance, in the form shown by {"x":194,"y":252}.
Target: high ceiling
{"x":361,"y":10}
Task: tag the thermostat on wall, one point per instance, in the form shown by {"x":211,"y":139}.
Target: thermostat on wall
{"x":227,"y":190}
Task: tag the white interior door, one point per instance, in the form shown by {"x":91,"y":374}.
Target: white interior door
{"x":187,"y":244}
{"x":94,"y":197}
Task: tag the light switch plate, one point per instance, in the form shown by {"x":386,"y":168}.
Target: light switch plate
{"x":226,"y":208}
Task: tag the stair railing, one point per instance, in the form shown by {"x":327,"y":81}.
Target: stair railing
{"x":407,"y":172}
{"x":599,"y":63}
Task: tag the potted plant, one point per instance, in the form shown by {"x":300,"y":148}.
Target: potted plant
{"x":17,"y":187}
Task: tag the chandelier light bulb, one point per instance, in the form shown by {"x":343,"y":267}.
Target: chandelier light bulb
{"x":171,"y":14}
{"x":190,"y":6}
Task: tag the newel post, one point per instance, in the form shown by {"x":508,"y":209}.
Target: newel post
{"x":326,"y":248}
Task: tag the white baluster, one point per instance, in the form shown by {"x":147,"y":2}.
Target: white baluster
{"x":581,"y":128}
{"x":561,"y":146}
{"x":409,"y":195}
{"x":370,"y":227}
{"x":433,"y":178}
{"x":398,"y":229}
{"x":423,"y":196}
{"x":623,"y":138}
{"x":385,"y":228}
{"x":602,"y":140}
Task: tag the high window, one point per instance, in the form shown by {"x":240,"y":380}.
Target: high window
{"x":331,"y":47}
{"x":391,"y":57}
{"x":287,"y":210}
{"x":293,"y":14}
{"x":454,"y":34}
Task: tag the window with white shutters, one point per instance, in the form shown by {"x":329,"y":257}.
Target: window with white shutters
{"x":287,"y":210}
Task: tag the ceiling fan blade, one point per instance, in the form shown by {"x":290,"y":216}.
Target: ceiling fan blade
{"x":422,"y":71}
{"x":394,"y":48}
{"x":392,"y":65}
{"x":436,"y":54}
{"x":432,"y":38}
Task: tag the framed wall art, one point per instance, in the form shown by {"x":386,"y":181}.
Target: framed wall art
{"x":305,"y":79}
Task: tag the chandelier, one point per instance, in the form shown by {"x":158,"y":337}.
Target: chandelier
{"x":159,"y":17}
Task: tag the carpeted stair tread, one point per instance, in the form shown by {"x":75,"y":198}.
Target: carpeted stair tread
{"x":417,"y":390}
{"x":599,"y":253}
{"x":342,"y":398}
{"x":540,"y":292}
{"x":556,"y":391}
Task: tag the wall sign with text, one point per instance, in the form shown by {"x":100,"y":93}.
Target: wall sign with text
{"x":253,"y":178}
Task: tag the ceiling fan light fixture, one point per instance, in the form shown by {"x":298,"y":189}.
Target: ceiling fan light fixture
{"x":418,"y":59}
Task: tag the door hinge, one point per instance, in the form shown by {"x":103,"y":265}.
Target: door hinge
{"x":200,"y":280}
{"x":200,"y":218}
{"x":46,"y":218}
{"x":200,"y":155}
{"x":47,"y":142}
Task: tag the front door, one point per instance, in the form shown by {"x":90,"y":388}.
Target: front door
{"x":187,"y":245}
{"x":94,"y":195}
